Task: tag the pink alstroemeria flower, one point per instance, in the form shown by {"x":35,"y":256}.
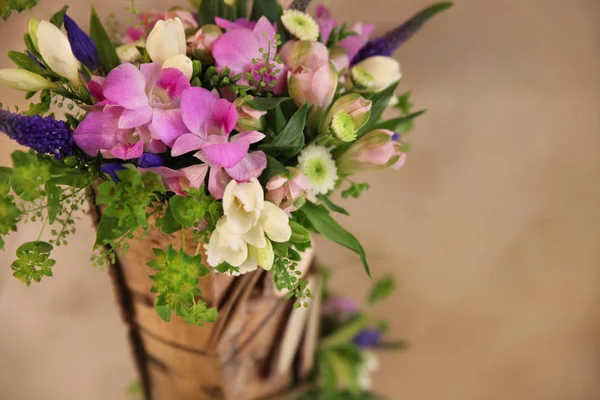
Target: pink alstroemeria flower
{"x":138,"y":110}
{"x":287,"y":191}
{"x":210,"y":121}
{"x":179,"y":181}
{"x":237,"y":48}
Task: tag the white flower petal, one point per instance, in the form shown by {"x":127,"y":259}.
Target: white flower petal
{"x":256,"y":237}
{"x":213,"y":252}
{"x":56,"y":51}
{"x":275,"y":223}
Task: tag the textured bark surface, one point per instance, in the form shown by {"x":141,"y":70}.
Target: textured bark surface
{"x":254,"y":350}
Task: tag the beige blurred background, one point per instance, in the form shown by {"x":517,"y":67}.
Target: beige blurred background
{"x":491,"y":229}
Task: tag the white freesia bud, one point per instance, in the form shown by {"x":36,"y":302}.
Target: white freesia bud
{"x":128,"y":53}
{"x":33,"y":27}
{"x":182,"y":63}
{"x":381,"y":72}
{"x":56,"y":51}
{"x":166,"y":40}
{"x":21,"y":79}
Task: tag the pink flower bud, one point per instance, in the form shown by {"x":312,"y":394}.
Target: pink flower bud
{"x":249,"y":119}
{"x":377,"y":150}
{"x":288,"y":190}
{"x":203,"y":41}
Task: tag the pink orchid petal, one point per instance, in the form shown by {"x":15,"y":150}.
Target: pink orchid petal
{"x":264,"y":25}
{"x":325,"y":27}
{"x":217,"y":181}
{"x":151,"y":72}
{"x":225,"y":115}
{"x":248,"y":137}
{"x":186,"y":143}
{"x":195,"y":174}
{"x":172,"y":81}
{"x":98,"y":130}
{"x":128,"y":152}
{"x":95,"y":86}
{"x":156,"y":146}
{"x":167,"y":126}
{"x":236,"y":49}
{"x":196,"y":108}
{"x":125,"y":85}
{"x":226,"y":155}
{"x":239,"y":23}
{"x":252,"y":166}
{"x":134,"y":118}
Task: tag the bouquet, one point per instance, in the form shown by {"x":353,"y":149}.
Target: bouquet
{"x":225,"y":126}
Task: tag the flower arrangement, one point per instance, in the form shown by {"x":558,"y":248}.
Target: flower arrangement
{"x":235,"y":125}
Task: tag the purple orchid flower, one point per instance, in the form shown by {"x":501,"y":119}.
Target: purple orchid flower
{"x":242,"y":51}
{"x":138,"y":110}
{"x":209,"y":121}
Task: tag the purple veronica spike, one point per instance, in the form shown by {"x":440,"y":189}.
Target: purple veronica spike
{"x":149,"y":160}
{"x":83,"y":46}
{"x":111,"y":169}
{"x":385,"y":45}
{"x":42,"y":134}
{"x":368,"y":337}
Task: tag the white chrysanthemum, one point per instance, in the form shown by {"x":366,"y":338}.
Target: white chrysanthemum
{"x":319,"y":167}
{"x":301,"y":25}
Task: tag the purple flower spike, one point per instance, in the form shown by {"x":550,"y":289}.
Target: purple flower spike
{"x":45,"y":135}
{"x":385,"y":45}
{"x":368,"y":337}
{"x":34,"y":58}
{"x":111,"y":169}
{"x":149,"y":160}
{"x":83,"y":46}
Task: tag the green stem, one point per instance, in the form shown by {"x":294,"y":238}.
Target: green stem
{"x":43,"y":228}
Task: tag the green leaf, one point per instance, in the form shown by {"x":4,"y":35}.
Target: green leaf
{"x":346,"y":333}
{"x":328,"y":227}
{"x":331,"y":205}
{"x":42,"y":107}
{"x":33,"y":262}
{"x":53,"y":193}
{"x":266,"y":103}
{"x":380,"y":101}
{"x":241,"y":9}
{"x":355,"y":190}
{"x":163,"y":310}
{"x":8,"y":6}
{"x":25,"y":62}
{"x":59,"y":18}
{"x":291,"y":140}
{"x":106,"y":48}
{"x":382,"y":289}
{"x":299,"y":233}
{"x":274,"y":168}
{"x":210,"y":9}
{"x":5,"y":174}
{"x":396,"y":124}
{"x":28,"y":176}
{"x":268,"y":8}
{"x":168,"y":223}
{"x":107,"y":230}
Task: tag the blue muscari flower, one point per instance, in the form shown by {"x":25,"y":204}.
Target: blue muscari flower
{"x":368,"y":337}
{"x":42,"y":134}
{"x":83,"y":46}
{"x":385,"y":45}
{"x":149,"y":160}
{"x":111,"y":169}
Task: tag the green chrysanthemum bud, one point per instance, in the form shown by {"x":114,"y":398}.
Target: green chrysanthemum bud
{"x":361,"y":79}
{"x":343,"y":127}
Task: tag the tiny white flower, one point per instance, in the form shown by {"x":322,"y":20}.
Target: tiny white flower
{"x":301,"y":25}
{"x":56,"y":51}
{"x":319,"y":167}
{"x":166,"y":40}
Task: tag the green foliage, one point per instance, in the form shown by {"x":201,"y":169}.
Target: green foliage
{"x":291,"y":140}
{"x":380,"y":101}
{"x":25,"y":62}
{"x":106,"y":48}
{"x":209,"y":9}
{"x":28,"y":175}
{"x":194,"y":209}
{"x":268,"y":8}
{"x":9,"y":213}
{"x":324,"y":224}
{"x":176,"y":282}
{"x":299,"y":233}
{"x":33,"y":262}
{"x":41,"y":107}
{"x":127,"y":204}
{"x":355,"y":190}
{"x":266,"y":103}
{"x":8,"y":6}
{"x":59,"y":17}
{"x":339,"y":34}
{"x":333,"y":207}
{"x":381,"y":290}
{"x":287,"y":276}
{"x":402,"y":124}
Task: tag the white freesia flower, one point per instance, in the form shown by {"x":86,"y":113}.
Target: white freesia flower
{"x":166,"y":40}
{"x":243,"y":235}
{"x":21,"y":79}
{"x":56,"y":51}
{"x":379,"y":71}
{"x":182,"y":63}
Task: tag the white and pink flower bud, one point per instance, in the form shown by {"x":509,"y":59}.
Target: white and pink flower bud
{"x":202,"y":42}
{"x":288,"y":190}
{"x":249,"y":119}
{"x":377,"y":150}
{"x":347,"y":116}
